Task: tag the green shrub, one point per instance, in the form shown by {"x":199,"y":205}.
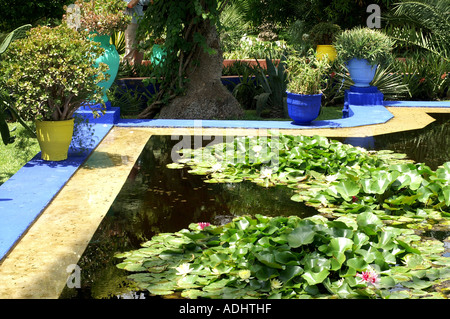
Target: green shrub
{"x":17,"y":13}
{"x":52,"y":72}
{"x":426,"y":75}
{"x":306,"y":75}
{"x":324,"y":33}
{"x":364,"y":43}
{"x":103,"y":17}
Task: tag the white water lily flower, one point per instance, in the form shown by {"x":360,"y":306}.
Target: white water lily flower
{"x":184,"y":269}
{"x":257,"y":148}
{"x":276,"y":284}
{"x":216,"y":167}
{"x":245,"y":275}
{"x":266,"y":172}
{"x":331,"y":178}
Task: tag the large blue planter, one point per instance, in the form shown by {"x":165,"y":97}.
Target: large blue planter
{"x":110,"y":57}
{"x":361,"y":72}
{"x":303,"y":109}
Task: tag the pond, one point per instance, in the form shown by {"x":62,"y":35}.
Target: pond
{"x":156,"y":199}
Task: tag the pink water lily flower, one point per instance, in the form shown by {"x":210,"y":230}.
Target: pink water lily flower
{"x":369,"y":277}
{"x":203,"y":225}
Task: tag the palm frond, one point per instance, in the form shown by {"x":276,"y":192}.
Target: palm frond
{"x":424,"y":23}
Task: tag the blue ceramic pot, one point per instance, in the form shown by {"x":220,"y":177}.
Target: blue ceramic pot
{"x":361,"y":72}
{"x":302,"y":108}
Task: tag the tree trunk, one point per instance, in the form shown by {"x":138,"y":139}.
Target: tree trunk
{"x":205,"y":97}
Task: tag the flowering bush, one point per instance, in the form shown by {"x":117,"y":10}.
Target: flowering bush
{"x":102,"y":17}
{"x":51,"y":73}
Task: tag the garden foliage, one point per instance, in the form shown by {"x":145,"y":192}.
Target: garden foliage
{"x":4,"y":96}
{"x":103,"y":17}
{"x":424,"y":24}
{"x":52,"y":72}
{"x":364,"y":43}
{"x":16,"y":13}
{"x":273,"y":83}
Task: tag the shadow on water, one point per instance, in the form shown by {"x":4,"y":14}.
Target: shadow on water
{"x":156,"y":199}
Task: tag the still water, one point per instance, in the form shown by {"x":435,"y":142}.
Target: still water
{"x":157,"y":199}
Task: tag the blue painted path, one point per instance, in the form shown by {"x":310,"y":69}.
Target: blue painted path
{"x":26,"y":194}
{"x":417,"y":103}
{"x":359,"y":116}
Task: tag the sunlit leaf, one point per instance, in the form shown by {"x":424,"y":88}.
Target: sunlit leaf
{"x":315,"y":278}
{"x":347,"y":189}
{"x":302,"y":235}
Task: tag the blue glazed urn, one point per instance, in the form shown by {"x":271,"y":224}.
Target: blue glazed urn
{"x":303,"y":108}
{"x":361,"y":72}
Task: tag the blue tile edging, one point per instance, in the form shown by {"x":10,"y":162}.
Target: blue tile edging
{"x":437,"y":104}
{"x":27,"y":193}
{"x":358,"y":116}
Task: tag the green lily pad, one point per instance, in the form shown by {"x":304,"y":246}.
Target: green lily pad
{"x":302,"y":235}
{"x":315,"y":278}
{"x":347,"y":189}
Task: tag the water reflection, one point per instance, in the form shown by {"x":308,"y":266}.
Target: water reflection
{"x":430,"y":145}
{"x":158,"y":199}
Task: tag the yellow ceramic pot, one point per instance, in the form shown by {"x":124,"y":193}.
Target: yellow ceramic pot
{"x":54,"y":138}
{"x":321,"y":50}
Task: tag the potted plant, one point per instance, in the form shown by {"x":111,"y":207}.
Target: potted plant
{"x":322,"y":36}
{"x":362,"y":50}
{"x":306,"y":81}
{"x":101,"y":18}
{"x":49,"y":75}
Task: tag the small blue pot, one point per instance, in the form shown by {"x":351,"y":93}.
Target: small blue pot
{"x":303,"y":109}
{"x":361,"y":72}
